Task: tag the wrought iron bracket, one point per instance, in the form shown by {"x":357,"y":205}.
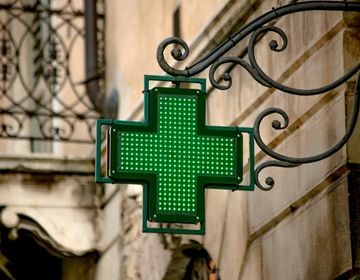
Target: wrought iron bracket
{"x":255,"y":29}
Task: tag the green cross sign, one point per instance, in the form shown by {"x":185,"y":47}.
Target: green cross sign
{"x":175,"y":155}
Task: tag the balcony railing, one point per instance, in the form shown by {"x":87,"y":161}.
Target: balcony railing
{"x":51,"y":69}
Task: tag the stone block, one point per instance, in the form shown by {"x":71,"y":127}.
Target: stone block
{"x":111,"y":227}
{"x":252,"y":265}
{"x":108,"y":265}
{"x":216,"y":204}
{"x":234,"y":239}
{"x":313,"y":243}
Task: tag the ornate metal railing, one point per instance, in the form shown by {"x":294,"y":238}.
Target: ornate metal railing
{"x":48,"y":90}
{"x":255,"y":29}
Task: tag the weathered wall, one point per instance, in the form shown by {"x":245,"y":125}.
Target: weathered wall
{"x":47,"y":188}
{"x":56,"y":202}
{"x":299,"y":230}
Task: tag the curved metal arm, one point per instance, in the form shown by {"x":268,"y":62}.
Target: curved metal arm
{"x":277,"y":125}
{"x":269,"y":180}
{"x":176,"y":54}
{"x":286,"y":161}
{"x":274,"y":47}
{"x":241,"y":34}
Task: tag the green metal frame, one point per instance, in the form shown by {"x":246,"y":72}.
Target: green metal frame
{"x":100,"y":178}
{"x":147,"y":180}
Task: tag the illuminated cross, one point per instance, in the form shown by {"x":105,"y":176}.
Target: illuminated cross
{"x":175,"y":155}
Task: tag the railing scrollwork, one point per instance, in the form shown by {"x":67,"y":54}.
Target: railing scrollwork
{"x":45,"y":92}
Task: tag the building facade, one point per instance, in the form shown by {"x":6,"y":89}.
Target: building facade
{"x":50,"y":206}
{"x":56,"y":223}
{"x":305,"y":227}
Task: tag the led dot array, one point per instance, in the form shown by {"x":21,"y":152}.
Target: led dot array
{"x":177,"y":154}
